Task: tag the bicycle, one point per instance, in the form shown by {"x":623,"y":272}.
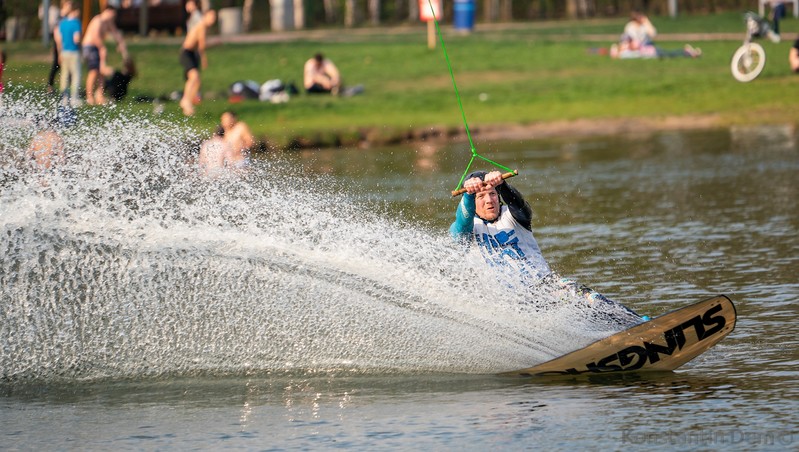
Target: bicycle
{"x":750,"y":59}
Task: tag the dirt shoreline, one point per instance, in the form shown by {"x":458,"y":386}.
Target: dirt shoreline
{"x":368,"y":137}
{"x":598,"y":127}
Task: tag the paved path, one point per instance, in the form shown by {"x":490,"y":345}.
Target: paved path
{"x":371,"y":34}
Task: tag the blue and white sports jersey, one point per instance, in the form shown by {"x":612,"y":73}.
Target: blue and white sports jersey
{"x":504,"y":240}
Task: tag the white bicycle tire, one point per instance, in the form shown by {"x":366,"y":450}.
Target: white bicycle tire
{"x":744,"y":72}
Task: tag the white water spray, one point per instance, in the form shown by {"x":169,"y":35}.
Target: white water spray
{"x":123,"y":262}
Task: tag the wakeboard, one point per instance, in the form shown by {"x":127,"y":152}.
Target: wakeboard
{"x":661,"y":344}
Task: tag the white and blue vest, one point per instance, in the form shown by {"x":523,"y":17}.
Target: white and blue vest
{"x":505,"y":240}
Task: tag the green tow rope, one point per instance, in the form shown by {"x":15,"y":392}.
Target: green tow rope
{"x":460,"y":105}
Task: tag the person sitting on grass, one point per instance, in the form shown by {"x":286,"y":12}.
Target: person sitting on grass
{"x":320,"y":75}
{"x":637,"y":41}
{"x":793,"y":56}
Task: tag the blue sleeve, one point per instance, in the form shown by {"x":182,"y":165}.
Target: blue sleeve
{"x":464,"y":218}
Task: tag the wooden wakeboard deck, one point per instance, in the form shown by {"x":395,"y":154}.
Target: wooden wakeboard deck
{"x":661,"y":344}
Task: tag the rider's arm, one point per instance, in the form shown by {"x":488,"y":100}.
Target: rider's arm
{"x":518,"y":207}
{"x":464,"y":218}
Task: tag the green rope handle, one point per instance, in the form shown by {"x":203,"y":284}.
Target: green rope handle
{"x":460,"y":105}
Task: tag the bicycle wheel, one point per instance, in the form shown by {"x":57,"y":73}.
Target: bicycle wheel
{"x":748,"y":62}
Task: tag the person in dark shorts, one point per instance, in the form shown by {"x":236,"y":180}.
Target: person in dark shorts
{"x":92,"y":56}
{"x":94,"y":52}
{"x":192,"y":58}
{"x":189,"y":59}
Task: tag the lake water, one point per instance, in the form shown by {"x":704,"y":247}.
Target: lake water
{"x":317,"y":302}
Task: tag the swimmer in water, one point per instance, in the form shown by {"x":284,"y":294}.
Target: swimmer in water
{"x":239,"y":138}
{"x":46,"y":149}
{"x":213,"y":153}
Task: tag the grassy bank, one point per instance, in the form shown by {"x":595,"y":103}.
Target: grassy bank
{"x":516,"y":75}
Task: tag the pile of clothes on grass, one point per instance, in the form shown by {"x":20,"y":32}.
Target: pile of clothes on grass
{"x":274,"y":91}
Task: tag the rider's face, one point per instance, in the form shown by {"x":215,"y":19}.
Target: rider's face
{"x":486,"y":204}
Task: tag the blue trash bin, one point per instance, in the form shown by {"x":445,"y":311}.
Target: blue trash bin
{"x":463,"y":14}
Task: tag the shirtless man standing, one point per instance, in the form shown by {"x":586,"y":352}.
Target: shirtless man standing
{"x":192,"y":58}
{"x":239,"y":139}
{"x":94,"y":52}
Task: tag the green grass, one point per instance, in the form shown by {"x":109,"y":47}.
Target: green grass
{"x":536,"y":72}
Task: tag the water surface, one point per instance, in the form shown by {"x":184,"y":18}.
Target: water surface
{"x":318,"y":303}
